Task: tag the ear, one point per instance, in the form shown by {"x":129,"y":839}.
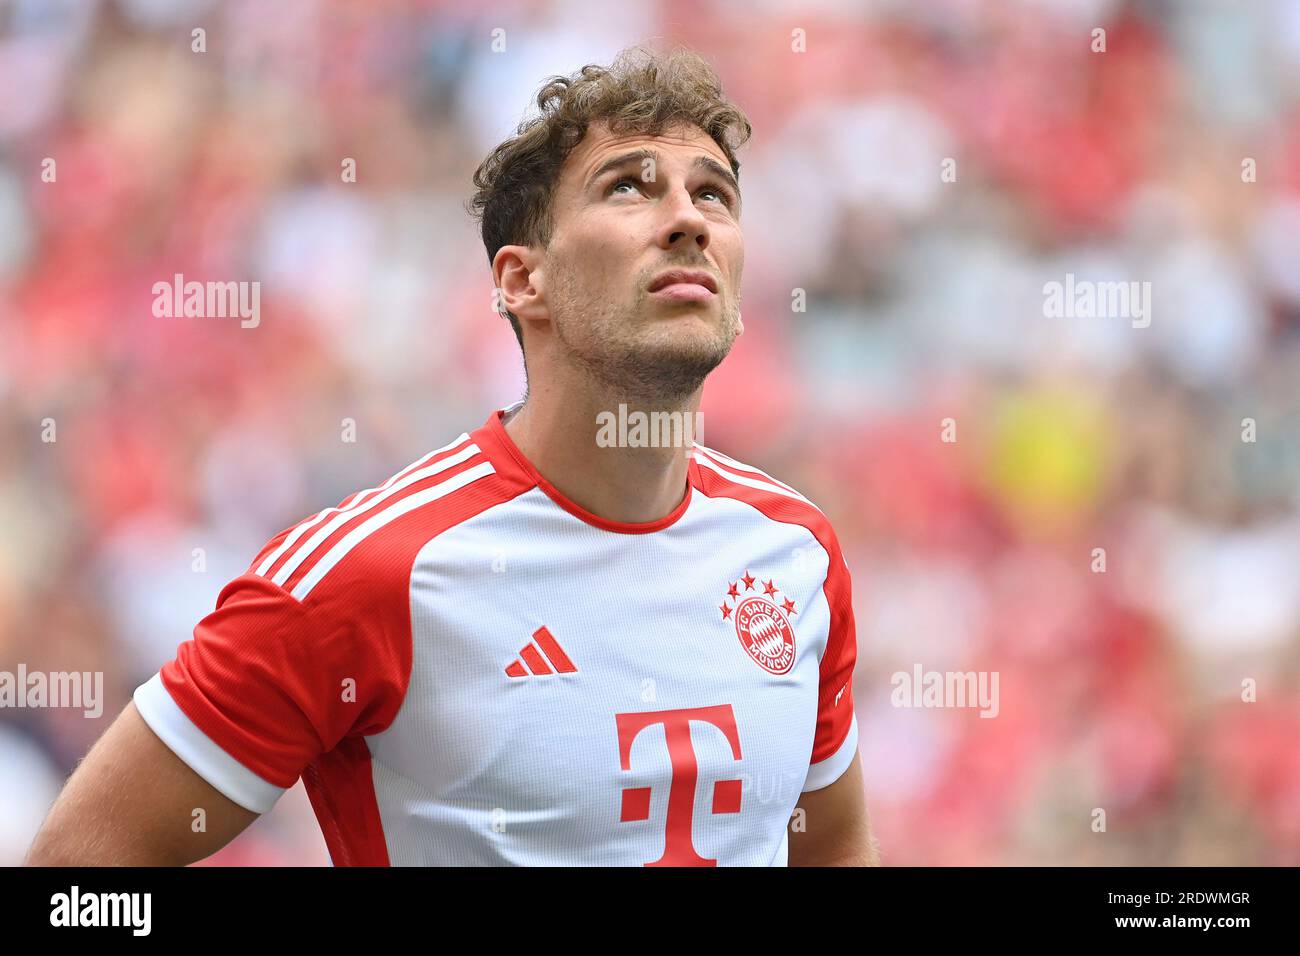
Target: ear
{"x":516,"y":270}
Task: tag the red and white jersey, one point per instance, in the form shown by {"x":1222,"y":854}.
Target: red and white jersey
{"x":467,"y":668}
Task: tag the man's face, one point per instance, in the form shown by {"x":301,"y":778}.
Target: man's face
{"x":628,"y":209}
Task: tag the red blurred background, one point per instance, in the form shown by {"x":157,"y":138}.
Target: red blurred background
{"x":1119,"y":690}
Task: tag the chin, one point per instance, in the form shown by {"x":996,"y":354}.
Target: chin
{"x":686,"y":333}
{"x":699,"y":351}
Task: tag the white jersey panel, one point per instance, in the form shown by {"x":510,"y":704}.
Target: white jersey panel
{"x":490,"y":761}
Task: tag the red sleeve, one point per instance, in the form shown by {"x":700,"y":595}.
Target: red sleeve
{"x":836,"y":738}
{"x":268,"y":683}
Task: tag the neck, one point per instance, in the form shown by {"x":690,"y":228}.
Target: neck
{"x":565,"y":433}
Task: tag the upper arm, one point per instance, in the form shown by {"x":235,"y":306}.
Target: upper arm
{"x":133,"y":802}
{"x":831,"y":826}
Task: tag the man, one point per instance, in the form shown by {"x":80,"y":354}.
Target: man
{"x":537,"y":644}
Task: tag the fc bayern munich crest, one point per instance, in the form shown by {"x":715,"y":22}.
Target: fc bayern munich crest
{"x":762,"y":624}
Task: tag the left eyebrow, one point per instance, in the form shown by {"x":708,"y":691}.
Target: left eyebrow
{"x":641,"y":155}
{"x":722,"y":172}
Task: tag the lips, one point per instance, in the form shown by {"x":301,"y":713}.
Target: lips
{"x":684,"y":277}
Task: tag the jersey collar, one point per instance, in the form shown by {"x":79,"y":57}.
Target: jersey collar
{"x":494,"y":439}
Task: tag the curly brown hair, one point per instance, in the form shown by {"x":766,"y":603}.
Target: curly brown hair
{"x":640,"y":92}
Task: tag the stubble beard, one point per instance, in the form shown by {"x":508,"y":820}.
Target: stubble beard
{"x":649,"y":364}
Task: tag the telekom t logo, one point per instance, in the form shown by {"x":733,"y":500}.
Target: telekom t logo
{"x":679,"y":849}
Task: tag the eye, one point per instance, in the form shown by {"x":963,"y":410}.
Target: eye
{"x":723,"y":195}
{"x":624,"y":181}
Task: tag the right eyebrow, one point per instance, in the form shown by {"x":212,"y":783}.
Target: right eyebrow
{"x":636,"y":155}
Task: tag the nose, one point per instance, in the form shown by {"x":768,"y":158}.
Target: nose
{"x":684,"y":225}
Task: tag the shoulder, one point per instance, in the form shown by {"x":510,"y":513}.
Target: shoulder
{"x":364,"y":546}
{"x":739,"y":474}
{"x":721,"y":476}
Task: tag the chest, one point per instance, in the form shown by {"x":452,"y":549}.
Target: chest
{"x":651,"y":695}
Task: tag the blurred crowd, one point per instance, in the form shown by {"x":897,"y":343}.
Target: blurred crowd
{"x":1107,"y":515}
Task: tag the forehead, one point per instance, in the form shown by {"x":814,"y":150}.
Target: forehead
{"x":684,"y":141}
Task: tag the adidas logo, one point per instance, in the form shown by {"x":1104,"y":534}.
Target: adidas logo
{"x":542,"y":655}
